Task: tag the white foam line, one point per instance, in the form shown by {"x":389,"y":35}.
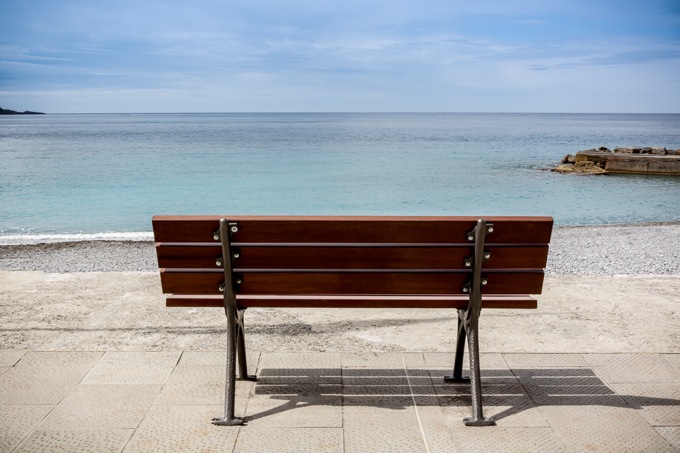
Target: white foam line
{"x":24,"y":239}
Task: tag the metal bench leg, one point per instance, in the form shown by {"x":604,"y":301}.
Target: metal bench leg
{"x":469,"y":320}
{"x":234,"y":320}
{"x":457,"y":376}
{"x":241,"y":347}
{"x":477,"y":418}
{"x":230,"y":385}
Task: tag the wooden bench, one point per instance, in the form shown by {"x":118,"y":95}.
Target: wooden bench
{"x":463,"y":263}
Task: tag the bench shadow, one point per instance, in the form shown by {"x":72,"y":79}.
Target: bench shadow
{"x":512,"y":391}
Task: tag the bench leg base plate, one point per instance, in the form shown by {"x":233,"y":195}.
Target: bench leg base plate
{"x":457,"y":380}
{"x":248,"y":377}
{"x":223,"y":421}
{"x":469,"y":421}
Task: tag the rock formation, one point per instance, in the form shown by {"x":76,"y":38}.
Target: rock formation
{"x":601,"y":161}
{"x":14,"y":112}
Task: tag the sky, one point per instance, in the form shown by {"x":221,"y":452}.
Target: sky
{"x":84,"y":56}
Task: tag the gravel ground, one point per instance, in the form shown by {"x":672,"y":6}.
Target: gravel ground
{"x":592,"y":250}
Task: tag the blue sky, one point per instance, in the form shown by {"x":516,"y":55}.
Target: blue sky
{"x":72,"y":56}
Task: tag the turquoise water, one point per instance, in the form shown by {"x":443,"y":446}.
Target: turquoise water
{"x":91,"y":174}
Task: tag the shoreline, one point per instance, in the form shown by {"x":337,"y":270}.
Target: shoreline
{"x":147,"y":236}
{"x":650,"y":248}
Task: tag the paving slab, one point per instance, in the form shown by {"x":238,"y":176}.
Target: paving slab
{"x":604,"y":429}
{"x":164,"y":401}
{"x":10,"y":358}
{"x":17,"y":421}
{"x":507,"y":404}
{"x":82,"y":441}
{"x":372,"y":360}
{"x":297,"y":440}
{"x":390,"y":427}
{"x":445,"y":360}
{"x":567,"y":386}
{"x":659,"y":404}
{"x":436,"y":431}
{"x":133,"y":368}
{"x":544,"y":360}
{"x":202,"y":384}
{"x":632,"y":368}
{"x":506,"y":440}
{"x":101,"y":407}
{"x":215,"y":358}
{"x":45,"y":377}
{"x":671,"y":434}
{"x":673,"y":360}
{"x":295,"y":405}
{"x":182,"y":428}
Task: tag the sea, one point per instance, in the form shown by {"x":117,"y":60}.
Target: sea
{"x":70,"y":177}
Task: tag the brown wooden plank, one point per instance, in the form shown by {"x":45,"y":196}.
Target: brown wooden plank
{"x":294,"y":257}
{"x":179,"y":281}
{"x":351,"y":229}
{"x":457,"y":302}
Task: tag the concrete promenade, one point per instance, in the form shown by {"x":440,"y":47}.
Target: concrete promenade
{"x":156,"y":401}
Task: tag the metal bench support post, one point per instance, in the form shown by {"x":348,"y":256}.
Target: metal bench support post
{"x":468,"y":322}
{"x":235,"y":340}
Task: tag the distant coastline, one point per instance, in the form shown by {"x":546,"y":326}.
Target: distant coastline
{"x":14,"y":112}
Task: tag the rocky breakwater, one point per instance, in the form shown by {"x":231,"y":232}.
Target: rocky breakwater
{"x":601,"y":161}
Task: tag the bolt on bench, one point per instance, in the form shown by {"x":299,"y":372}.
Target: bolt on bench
{"x":463,"y":263}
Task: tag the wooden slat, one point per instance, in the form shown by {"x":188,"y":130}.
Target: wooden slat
{"x":186,"y":281}
{"x":457,"y":302}
{"x":351,"y":229}
{"x":204,"y":255}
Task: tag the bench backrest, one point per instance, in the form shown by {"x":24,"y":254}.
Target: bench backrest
{"x":309,"y":256}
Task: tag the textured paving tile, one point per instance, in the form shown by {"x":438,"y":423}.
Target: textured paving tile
{"x":4,"y":369}
{"x":673,"y":360}
{"x":55,"y":359}
{"x":659,"y":404}
{"x":507,"y":404}
{"x":671,"y":434}
{"x":488,"y":360}
{"x":567,"y":386}
{"x":215,"y":358}
{"x":329,"y":360}
{"x":202,"y":385}
{"x":44,"y":377}
{"x":81,"y":441}
{"x":506,"y":440}
{"x":436,"y":429}
{"x":300,"y":368}
{"x":372,"y":360}
{"x":182,"y":429}
{"x":632,"y":368}
{"x":544,"y":360}
{"x":558,"y":377}
{"x":371,"y":376}
{"x":101,"y":407}
{"x":380,"y":429}
{"x":604,"y":429}
{"x":16,"y":422}
{"x":489,"y":375}
{"x":414,"y":359}
{"x":298,"y":440}
{"x":295,"y":405}
{"x":133,"y":368}
{"x":10,"y":358}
